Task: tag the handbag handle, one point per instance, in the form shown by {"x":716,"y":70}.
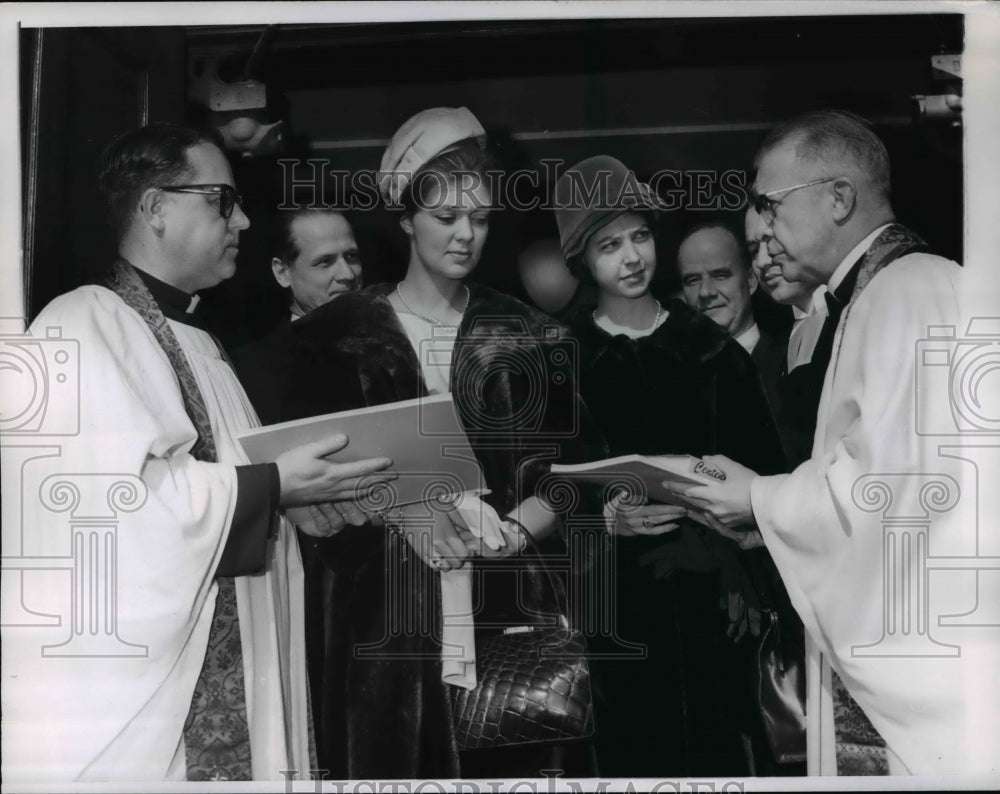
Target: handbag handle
{"x":561,"y":597}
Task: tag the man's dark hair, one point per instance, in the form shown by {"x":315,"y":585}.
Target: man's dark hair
{"x":283,"y":245}
{"x":466,"y":158}
{"x":144,"y":158}
{"x":825,"y":135}
{"x":726,"y":226}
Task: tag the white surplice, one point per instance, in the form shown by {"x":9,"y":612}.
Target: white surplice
{"x":826,"y":528}
{"x":106,"y":717}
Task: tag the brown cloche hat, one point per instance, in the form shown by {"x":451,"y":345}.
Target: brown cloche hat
{"x":593,"y":193}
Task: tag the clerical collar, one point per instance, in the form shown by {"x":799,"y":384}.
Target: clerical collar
{"x":749,"y":338}
{"x":173,"y":302}
{"x":852,"y":258}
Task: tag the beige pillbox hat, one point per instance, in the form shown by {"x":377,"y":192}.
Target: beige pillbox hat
{"x":423,"y":137}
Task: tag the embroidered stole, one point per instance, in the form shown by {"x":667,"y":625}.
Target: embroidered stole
{"x":216,"y":733}
{"x":893,"y":242}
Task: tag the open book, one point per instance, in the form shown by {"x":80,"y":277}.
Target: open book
{"x":643,"y":476}
{"x":430,"y":452}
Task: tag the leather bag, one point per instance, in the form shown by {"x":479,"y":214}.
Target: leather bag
{"x":533,"y":687}
{"x":780,"y":690}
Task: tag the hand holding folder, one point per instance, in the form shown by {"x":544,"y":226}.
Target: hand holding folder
{"x":424,"y":439}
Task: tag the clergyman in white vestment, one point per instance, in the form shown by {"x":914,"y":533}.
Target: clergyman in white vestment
{"x":180,"y":650}
{"x":852,"y":527}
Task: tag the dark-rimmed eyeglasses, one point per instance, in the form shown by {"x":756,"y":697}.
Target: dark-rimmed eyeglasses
{"x":228,"y":197}
{"x":767,"y":207}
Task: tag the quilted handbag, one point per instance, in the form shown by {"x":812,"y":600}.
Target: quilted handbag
{"x":780,"y":690}
{"x":533,"y":687}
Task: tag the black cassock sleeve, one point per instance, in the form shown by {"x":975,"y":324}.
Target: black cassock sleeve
{"x":258,"y":493}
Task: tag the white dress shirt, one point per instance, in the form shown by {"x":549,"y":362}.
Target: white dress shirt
{"x":749,"y":338}
{"x":806,"y":330}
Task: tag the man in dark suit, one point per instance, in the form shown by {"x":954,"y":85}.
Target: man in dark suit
{"x":716,"y":279}
{"x":801,"y":380}
{"x":316,"y":259}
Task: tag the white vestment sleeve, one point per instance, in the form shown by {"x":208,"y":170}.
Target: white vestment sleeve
{"x":845,"y":523}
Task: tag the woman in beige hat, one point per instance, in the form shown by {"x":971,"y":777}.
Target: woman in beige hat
{"x":510,"y":376}
{"x":660,"y":378}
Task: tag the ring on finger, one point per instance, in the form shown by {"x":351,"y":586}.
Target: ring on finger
{"x":646,"y":522}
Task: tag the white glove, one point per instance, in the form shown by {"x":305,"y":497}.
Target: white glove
{"x":482,"y":521}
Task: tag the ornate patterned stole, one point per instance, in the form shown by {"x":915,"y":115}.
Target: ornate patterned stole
{"x":892,"y":243}
{"x":216,"y":734}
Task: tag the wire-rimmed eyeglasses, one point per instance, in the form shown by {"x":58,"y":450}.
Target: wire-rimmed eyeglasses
{"x":766,"y":207}
{"x":228,"y":197}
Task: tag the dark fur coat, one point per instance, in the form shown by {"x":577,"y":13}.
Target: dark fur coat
{"x":373,"y":608}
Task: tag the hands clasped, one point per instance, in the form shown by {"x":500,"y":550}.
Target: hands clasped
{"x":447,"y":532}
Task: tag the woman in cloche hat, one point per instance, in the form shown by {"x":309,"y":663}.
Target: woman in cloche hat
{"x":660,"y":378}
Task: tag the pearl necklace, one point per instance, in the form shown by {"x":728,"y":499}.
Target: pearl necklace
{"x":424,"y":317}
{"x":656,"y":320}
